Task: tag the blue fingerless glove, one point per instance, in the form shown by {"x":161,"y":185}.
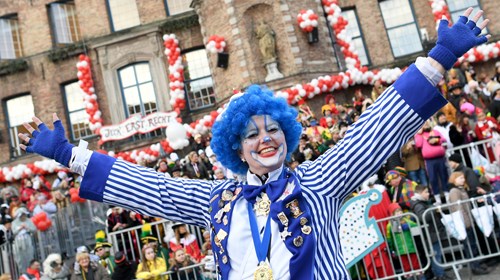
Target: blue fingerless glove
{"x":454,"y":42}
{"x":51,"y":143}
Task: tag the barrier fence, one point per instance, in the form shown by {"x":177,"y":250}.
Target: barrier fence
{"x":481,"y":153}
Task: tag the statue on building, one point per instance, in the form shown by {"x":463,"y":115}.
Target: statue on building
{"x":267,"y":45}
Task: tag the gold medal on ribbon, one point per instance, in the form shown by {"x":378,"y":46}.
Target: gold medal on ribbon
{"x":262,"y":205}
{"x":263,"y":272}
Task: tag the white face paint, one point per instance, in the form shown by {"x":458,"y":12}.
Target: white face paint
{"x":263,"y":145}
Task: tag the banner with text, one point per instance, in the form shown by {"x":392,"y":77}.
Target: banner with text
{"x":136,"y":124}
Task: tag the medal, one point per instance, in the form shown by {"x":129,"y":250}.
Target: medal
{"x":225,"y":220}
{"x":285,"y":233}
{"x":283,"y":219}
{"x":214,"y":198}
{"x":297,"y":241}
{"x":294,"y":208}
{"x":224,"y":259}
{"x":262,"y":205}
{"x":306,"y":229}
{"x":227,"y":208}
{"x":263,"y":272}
{"x":227,"y":195}
{"x":303,"y":221}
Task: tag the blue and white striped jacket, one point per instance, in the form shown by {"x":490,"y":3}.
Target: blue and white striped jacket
{"x":385,"y":126}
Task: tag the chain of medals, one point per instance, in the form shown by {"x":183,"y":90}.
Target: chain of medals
{"x":261,"y":207}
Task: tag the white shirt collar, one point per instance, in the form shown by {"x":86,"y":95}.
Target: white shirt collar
{"x":254,"y":180}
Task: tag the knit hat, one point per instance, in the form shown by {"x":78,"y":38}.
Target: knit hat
{"x":393,"y":207}
{"x":402,"y":171}
{"x":456,"y":157}
{"x":146,"y":236}
{"x":100,"y":239}
{"x":391,"y":174}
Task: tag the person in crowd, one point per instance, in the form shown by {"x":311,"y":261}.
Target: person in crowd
{"x":23,"y":248}
{"x":254,"y":135}
{"x":494,"y":107}
{"x":59,"y":199}
{"x":118,"y":218}
{"x":430,"y":142}
{"x":400,"y":239}
{"x":377,"y":90}
{"x":27,"y":191}
{"x":443,"y":127}
{"x":176,"y":172}
{"x":419,"y":204}
{"x":62,"y":180}
{"x":402,"y":189}
{"x":414,"y":163}
{"x":206,"y":161}
{"x":458,"y":192}
{"x":206,"y":247}
{"x":8,"y":192}
{"x":162,"y":166}
{"x":103,"y":250}
{"x":148,"y":239}
{"x":198,"y":143}
{"x":455,"y":162}
{"x":151,"y":266}
{"x":44,"y":205}
{"x":32,"y":272}
{"x":55,"y":269}
{"x":6,"y":234}
{"x":378,"y":262}
{"x":496,"y":77}
{"x":89,"y":270}
{"x":219,"y":174}
{"x":196,"y":169}
{"x":485,"y":129}
{"x":455,"y":93}
{"x":124,"y":269}
{"x":184,"y":239}
{"x":85,"y":249}
{"x":15,"y":203}
{"x":180,"y":260}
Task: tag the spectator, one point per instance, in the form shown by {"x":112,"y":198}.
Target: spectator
{"x":23,"y":248}
{"x":402,"y":189}
{"x":494,"y":107}
{"x":61,"y":180}
{"x":102,"y":249}
{"x":124,"y":270}
{"x":431,"y":144}
{"x":219,"y":174}
{"x":44,"y":205}
{"x":148,"y":239}
{"x":7,"y":192}
{"x":414,"y":163}
{"x":88,"y":270}
{"x":377,"y":90}
{"x":55,"y":269}
{"x":180,"y":260}
{"x":458,"y":192}
{"x":496,"y":77}
{"x":117,"y":220}
{"x":151,"y":266}
{"x":59,"y":199}
{"x":400,"y":238}
{"x":485,"y":129}
{"x":27,"y":191}
{"x":443,"y":127}
{"x":456,"y":165}
{"x":186,"y":240}
{"x":196,"y":169}
{"x":198,"y":143}
{"x":6,"y":230}
{"x":206,"y":247}
{"x":162,"y":166}
{"x":15,"y":203}
{"x":206,"y":161}
{"x":176,"y":171}
{"x":32,"y":272}
{"x":455,"y":93}
{"x":419,"y":203}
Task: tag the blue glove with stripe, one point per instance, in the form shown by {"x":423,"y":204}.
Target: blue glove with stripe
{"x":455,"y":41}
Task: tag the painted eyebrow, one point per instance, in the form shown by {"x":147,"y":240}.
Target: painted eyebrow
{"x":252,"y":129}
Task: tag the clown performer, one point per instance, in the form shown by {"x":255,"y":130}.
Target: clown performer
{"x":275,"y":224}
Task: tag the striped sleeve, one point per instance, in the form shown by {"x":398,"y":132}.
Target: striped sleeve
{"x":380,"y":131}
{"x":146,"y":191}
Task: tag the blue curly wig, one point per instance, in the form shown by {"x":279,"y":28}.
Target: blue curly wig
{"x":227,"y":131}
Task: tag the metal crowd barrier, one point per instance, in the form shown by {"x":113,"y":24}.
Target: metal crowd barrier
{"x":128,"y":240}
{"x":72,"y":226}
{"x":478,"y":245}
{"x":7,"y":263}
{"x":486,"y":148}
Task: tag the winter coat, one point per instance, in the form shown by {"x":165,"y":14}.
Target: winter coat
{"x":430,"y":151}
{"x":412,"y":158}
{"x":97,"y":271}
{"x":125,"y":271}
{"x":471,"y":178}
{"x":155,"y":269}
{"x":64,"y":274}
{"x":193,"y":273}
{"x":399,"y":236}
{"x":432,"y":219}
{"x":459,"y":194}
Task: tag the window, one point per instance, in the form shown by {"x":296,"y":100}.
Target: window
{"x":19,"y":110}
{"x":138,"y":92}
{"x":198,"y":80}
{"x":401,"y":27}
{"x":78,"y":117}
{"x":123,"y":14}
{"x":174,"y":7}
{"x":10,"y":39}
{"x":458,"y":7}
{"x":354,"y":31}
{"x":64,"y":22}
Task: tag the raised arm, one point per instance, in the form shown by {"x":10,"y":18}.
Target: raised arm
{"x":395,"y":117}
{"x":117,"y":182}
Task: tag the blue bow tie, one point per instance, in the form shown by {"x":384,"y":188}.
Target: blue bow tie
{"x":273,"y":189}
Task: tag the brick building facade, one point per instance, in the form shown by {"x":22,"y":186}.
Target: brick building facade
{"x":130,"y":70}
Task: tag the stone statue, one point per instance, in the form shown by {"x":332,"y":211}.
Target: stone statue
{"x":267,"y":43}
